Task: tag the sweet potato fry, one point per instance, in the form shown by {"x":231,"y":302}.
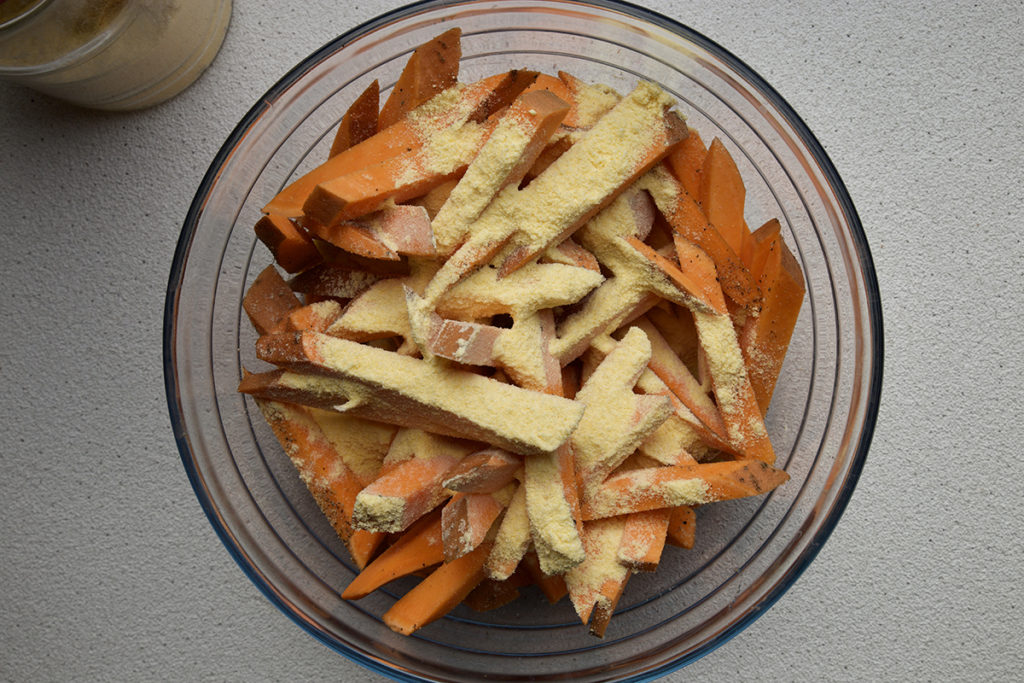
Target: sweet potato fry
{"x":682,"y":527}
{"x":688,"y":221}
{"x":485,"y":471}
{"x":418,"y":548}
{"x":465,"y":521}
{"x":687,"y":162}
{"x":643,"y":539}
{"x":336,"y":282}
{"x":316,"y":316}
{"x":512,"y":540}
{"x":404,"y":176}
{"x":360,"y":121}
{"x":437,"y":594}
{"x":765,"y":337}
{"x":452,"y":108}
{"x":432,"y":68}
{"x":354,"y":237}
{"x":596,"y":585}
{"x":269,"y":301}
{"x":403,"y":494}
{"x":722,"y":196}
{"x":378,"y":385}
{"x":737,"y":403}
{"x":569,"y":253}
{"x":292,"y":248}
{"x":666,"y":487}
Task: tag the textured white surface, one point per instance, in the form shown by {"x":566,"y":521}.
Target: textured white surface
{"x":110,"y":570}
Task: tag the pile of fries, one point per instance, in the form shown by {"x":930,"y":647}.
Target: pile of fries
{"x":527,"y":333}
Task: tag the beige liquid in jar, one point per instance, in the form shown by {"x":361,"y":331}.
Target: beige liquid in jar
{"x":110,"y":54}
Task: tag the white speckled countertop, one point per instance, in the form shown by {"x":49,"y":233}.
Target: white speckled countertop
{"x":110,"y":570}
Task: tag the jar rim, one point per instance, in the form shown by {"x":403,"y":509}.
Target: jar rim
{"x":23,"y":15}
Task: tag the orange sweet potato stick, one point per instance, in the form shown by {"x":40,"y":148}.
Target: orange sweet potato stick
{"x":418,"y":548}
{"x":677,"y":377}
{"x":687,"y":162}
{"x":432,"y":68}
{"x":485,"y":471}
{"x":615,"y":420}
{"x":667,"y":487}
{"x":596,"y":585}
{"x":292,"y":248}
{"x":552,"y":586}
{"x":512,"y":539}
{"x":688,"y":222}
{"x":269,"y":301}
{"x":360,"y":121}
{"x":437,"y":594}
{"x":730,"y":381}
{"x":401,"y":177}
{"x":403,"y":493}
{"x":333,"y":485}
{"x":765,"y":337}
{"x":316,"y":316}
{"x":473,"y":102}
{"x":383,"y":386}
{"x":354,"y":237}
{"x":643,"y":539}
{"x":334,"y":281}
{"x":722,"y":196}
{"x":682,"y":527}
{"x":465,"y":520}
{"x":570,"y":253}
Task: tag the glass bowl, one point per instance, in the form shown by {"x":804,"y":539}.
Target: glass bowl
{"x":748,"y":552}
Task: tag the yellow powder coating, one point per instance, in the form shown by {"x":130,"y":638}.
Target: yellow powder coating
{"x":531,"y":288}
{"x":448,"y":105}
{"x":585,"y":581}
{"x":484,"y":177}
{"x":411,"y":392}
{"x":379,"y":311}
{"x":593,"y":168}
{"x":416,"y":443}
{"x":662,"y":188}
{"x":452,"y":147}
{"x":556,"y":201}
{"x":650,"y":383}
{"x":669,"y":444}
{"x":361,"y":444}
{"x":615,"y":420}
{"x":512,"y":539}
{"x":593,"y":101}
{"x":377,"y":512}
{"x":444,"y":152}
{"x":645,"y":491}
{"x":552,"y":526}
{"x":729,"y":379}
{"x":520,"y":350}
{"x":635,"y":278}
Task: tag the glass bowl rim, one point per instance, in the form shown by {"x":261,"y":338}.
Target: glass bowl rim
{"x":803,"y":132}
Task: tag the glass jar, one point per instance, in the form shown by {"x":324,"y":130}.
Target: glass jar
{"x":110,"y":54}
